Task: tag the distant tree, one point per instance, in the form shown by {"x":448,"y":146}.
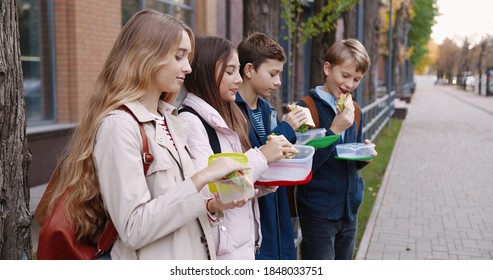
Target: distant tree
{"x":447,"y":62}
{"x":15,"y":218}
{"x":464,"y":66}
{"x":422,"y":20}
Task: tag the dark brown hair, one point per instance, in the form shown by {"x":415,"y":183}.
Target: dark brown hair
{"x":214,"y":52}
{"x":257,"y":48}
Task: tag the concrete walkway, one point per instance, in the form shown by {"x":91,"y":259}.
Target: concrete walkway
{"x":436,"y":199}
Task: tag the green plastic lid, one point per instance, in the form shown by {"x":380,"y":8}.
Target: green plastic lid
{"x":323,"y":142}
{"x":239,"y":157}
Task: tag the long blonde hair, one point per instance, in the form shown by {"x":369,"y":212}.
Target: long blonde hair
{"x":126,"y":76}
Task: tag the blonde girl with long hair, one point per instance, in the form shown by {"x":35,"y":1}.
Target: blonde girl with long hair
{"x":160,"y":215}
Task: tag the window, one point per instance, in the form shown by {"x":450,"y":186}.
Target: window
{"x":182,"y":9}
{"x":37,"y":48}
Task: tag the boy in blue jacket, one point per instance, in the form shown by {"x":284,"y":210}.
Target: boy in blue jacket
{"x":328,"y":204}
{"x":262,"y":61}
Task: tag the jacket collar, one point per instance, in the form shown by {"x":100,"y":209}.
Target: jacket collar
{"x":143,"y":115}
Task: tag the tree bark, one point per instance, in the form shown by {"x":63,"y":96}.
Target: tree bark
{"x":263,"y":16}
{"x":320,"y":44}
{"x":15,"y":218}
{"x":398,"y":40}
{"x":371,"y":41}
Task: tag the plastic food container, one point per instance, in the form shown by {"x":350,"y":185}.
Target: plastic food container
{"x":287,"y":172}
{"x":235,"y":186}
{"x":355,"y":151}
{"x":302,"y":138}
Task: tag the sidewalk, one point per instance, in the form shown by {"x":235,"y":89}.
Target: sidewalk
{"x":436,"y":199}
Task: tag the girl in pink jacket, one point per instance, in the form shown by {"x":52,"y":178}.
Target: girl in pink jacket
{"x":212,"y":88}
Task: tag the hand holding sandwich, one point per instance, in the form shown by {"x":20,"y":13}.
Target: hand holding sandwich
{"x":299,"y":118}
{"x":345,"y":118}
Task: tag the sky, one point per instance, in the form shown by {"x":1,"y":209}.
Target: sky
{"x":460,"y":18}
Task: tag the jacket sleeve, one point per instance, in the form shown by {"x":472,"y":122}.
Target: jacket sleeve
{"x":139,"y":217}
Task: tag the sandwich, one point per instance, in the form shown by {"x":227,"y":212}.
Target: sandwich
{"x":341,"y":101}
{"x":309,"y":123}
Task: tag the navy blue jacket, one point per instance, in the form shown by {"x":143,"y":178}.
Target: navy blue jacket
{"x":275,"y":218}
{"x":336,"y":189}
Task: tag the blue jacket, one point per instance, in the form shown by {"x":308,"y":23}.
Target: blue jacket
{"x":336,"y":189}
{"x":275,"y":218}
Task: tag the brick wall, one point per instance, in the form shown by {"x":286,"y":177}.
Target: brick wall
{"x":84,"y":34}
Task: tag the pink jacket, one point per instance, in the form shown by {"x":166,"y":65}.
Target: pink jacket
{"x":238,"y":235}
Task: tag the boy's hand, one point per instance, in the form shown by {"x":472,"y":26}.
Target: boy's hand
{"x":374,"y":154}
{"x":345,"y":119}
{"x":296,"y":119}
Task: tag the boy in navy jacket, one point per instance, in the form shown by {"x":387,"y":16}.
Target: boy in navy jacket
{"x":328,"y":204}
{"x":262,"y":61}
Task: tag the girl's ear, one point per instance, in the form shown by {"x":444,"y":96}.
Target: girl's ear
{"x":248,"y":70}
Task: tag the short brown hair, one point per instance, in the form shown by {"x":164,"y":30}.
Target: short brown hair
{"x":257,"y":48}
{"x":343,"y":50}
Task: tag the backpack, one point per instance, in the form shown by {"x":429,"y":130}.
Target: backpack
{"x":211,"y":133}
{"x":57,"y":239}
{"x":310,"y":104}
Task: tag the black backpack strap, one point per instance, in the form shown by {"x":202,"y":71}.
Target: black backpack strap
{"x":211,"y":133}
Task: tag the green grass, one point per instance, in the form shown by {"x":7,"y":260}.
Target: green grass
{"x":374,"y":172}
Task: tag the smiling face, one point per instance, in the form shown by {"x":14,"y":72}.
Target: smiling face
{"x":231,"y":78}
{"x":175,"y":66}
{"x":267,"y":78}
{"x":341,"y":78}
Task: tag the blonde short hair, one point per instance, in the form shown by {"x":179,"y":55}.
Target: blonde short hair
{"x":344,"y":50}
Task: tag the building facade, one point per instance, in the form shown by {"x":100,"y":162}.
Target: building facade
{"x":64,"y":45}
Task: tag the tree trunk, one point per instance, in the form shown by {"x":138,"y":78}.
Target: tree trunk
{"x":319,"y":46}
{"x":263,"y":16}
{"x":351,"y":23}
{"x":371,"y":41}
{"x":15,"y":218}
{"x":398,"y":40}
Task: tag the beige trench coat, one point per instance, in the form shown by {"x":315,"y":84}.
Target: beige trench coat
{"x":161,"y":215}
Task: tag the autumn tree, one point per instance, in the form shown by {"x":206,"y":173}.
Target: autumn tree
{"x":15,"y":218}
{"x":447,"y":62}
{"x":422,"y":20}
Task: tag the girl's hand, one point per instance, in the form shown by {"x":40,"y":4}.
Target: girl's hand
{"x":216,"y":205}
{"x":276,"y":147}
{"x":216,"y":171}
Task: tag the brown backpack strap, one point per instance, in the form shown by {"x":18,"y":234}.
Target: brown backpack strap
{"x":310,"y":104}
{"x":147,"y":157}
{"x":109,"y":234}
{"x":357,"y":116}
